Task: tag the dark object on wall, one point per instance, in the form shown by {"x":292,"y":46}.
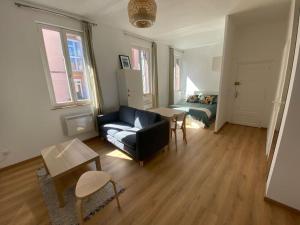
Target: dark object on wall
{"x":125,"y":62}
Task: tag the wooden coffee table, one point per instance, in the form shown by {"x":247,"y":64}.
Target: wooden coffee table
{"x":65,"y":163}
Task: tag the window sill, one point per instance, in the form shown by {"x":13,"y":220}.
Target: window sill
{"x":70,"y":106}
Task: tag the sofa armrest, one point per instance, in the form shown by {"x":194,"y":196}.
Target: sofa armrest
{"x":152,"y":139}
{"x":107,"y":118}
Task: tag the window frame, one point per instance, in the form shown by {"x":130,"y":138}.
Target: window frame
{"x":63,"y":38}
{"x":78,"y":82}
{"x":150,"y":66}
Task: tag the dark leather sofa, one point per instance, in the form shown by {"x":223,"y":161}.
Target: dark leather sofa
{"x":137,"y":132}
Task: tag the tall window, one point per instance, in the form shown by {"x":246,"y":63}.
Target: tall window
{"x":64,"y":54}
{"x":177,"y":79}
{"x":141,"y":61}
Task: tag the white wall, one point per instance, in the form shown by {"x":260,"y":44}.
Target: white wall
{"x":109,"y":43}
{"x":197,"y":71}
{"x":226,"y":74}
{"x":28,"y":123}
{"x":163,"y":74}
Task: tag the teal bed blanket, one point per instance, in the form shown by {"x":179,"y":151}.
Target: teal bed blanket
{"x":205,"y":113}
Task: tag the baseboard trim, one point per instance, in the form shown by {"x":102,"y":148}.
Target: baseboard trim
{"x":291,"y":209}
{"x":221,"y":128}
{"x":20,"y":163}
{"x":90,"y":139}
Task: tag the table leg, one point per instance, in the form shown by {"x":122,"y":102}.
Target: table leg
{"x":183,"y":128}
{"x":47,"y":171}
{"x":184,"y":134}
{"x":98,"y":163}
{"x":116,"y":193}
{"x":170,"y":133}
{"x":59,"y":193}
{"x":79,"y":211}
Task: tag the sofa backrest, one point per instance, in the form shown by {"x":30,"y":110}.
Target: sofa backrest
{"x":137,"y":118}
{"x":127,"y":114}
{"x":145,"y":118}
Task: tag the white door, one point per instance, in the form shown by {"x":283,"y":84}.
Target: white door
{"x":135,"y":89}
{"x":251,"y":101}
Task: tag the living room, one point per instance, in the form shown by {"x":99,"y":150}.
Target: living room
{"x":152,"y":111}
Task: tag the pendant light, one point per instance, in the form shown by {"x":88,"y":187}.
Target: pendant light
{"x":142,"y":13}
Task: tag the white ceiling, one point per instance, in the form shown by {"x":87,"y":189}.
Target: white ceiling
{"x":182,"y":23}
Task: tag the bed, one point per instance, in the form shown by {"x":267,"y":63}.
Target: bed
{"x":206,"y":113}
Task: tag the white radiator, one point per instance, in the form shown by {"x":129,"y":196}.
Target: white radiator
{"x":78,"y":124}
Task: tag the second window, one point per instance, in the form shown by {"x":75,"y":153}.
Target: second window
{"x":141,"y":60}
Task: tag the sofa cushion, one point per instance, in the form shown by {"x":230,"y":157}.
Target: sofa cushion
{"x":113,"y":128}
{"x":126,"y":114}
{"x":127,"y":137}
{"x":144,"y":118}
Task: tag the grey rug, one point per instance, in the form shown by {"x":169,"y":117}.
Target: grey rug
{"x":67,"y":214}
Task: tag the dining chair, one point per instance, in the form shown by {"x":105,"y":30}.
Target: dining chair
{"x":179,"y":123}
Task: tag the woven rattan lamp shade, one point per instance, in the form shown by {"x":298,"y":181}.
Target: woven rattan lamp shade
{"x":142,"y":13}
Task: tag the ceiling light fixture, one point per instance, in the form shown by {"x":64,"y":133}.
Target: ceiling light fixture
{"x":142,"y":13}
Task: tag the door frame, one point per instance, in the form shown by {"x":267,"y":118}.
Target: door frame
{"x":288,"y":60}
{"x":278,"y":102}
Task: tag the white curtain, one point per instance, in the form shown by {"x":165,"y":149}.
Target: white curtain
{"x":171,"y":76}
{"x":155,"y":76}
{"x":92,"y":67}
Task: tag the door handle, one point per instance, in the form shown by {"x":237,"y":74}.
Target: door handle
{"x":236,"y":83}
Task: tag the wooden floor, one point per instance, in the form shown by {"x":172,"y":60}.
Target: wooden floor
{"x":216,"y":179}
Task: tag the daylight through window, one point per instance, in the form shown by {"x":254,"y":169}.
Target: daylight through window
{"x":141,"y":61}
{"x":177,"y":70}
{"x":66,"y":66}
